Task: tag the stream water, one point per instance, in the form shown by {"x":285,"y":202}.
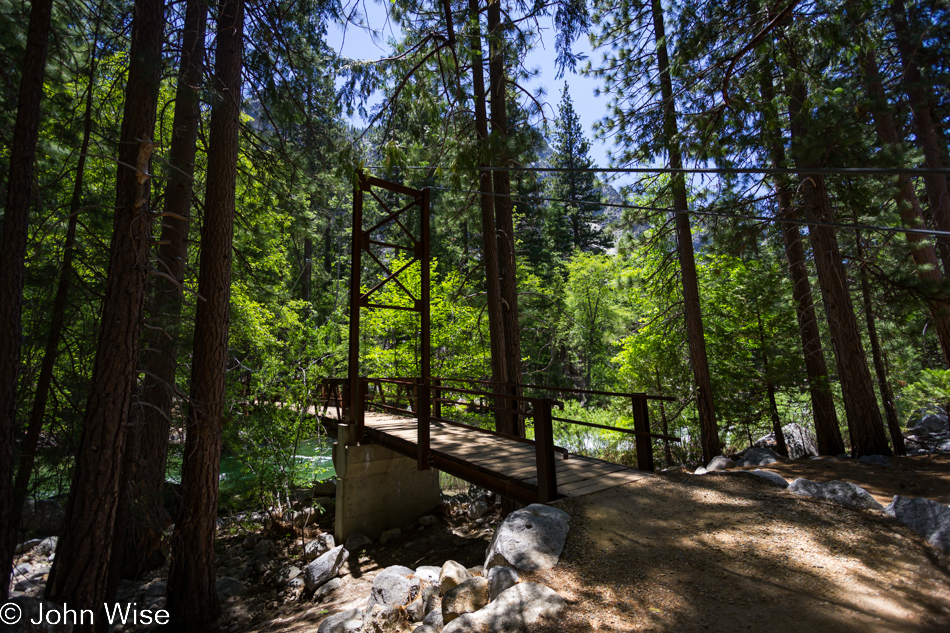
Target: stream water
{"x":313,"y":462}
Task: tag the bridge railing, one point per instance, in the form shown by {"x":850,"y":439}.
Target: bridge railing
{"x":426,"y":404}
{"x":639,"y":404}
{"x":412,"y":397}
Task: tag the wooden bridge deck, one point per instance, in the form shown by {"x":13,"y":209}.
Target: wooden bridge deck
{"x":463,"y":452}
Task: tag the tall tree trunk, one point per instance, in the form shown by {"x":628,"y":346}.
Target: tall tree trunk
{"x":45,"y":379}
{"x":504,"y":224}
{"x":827,"y":431}
{"x":709,"y":432}
{"x":12,"y":255}
{"x":151,"y":416}
{"x":908,"y":205}
{"x":928,"y":138}
{"x":496,"y":322}
{"x":80,"y":572}
{"x":864,"y":416}
{"x":827,"y":428}
{"x":877,"y":355}
{"x":780,"y":446}
{"x":192,"y":598}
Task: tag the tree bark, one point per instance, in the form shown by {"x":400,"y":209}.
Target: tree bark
{"x":45,"y":379}
{"x":908,"y":205}
{"x":192,"y":598}
{"x":80,"y":572}
{"x":151,"y":416}
{"x":877,"y":355}
{"x":780,"y":446}
{"x":496,"y":323}
{"x":928,"y":138}
{"x":709,"y":432}
{"x":12,"y":255}
{"x":864,"y":416}
{"x":827,"y":428}
{"x":504,"y":224}
{"x":827,"y":431}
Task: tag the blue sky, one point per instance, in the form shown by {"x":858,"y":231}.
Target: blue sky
{"x":358,"y":43}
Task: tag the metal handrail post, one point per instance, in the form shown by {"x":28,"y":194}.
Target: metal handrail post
{"x":361,"y":409}
{"x":641,"y":424}
{"x":423,"y":402}
{"x":544,"y":450}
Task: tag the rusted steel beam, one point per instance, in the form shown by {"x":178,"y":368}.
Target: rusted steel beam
{"x":424,"y":394}
{"x":361,"y":411}
{"x":372,"y":181}
{"x":392,"y":277}
{"x":392,"y":214}
{"x":353,"y":357}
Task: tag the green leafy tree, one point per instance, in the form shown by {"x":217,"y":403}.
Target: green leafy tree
{"x":591,"y":313}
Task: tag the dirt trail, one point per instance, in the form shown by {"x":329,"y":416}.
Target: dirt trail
{"x":719,"y":552}
{"x":731,"y":553}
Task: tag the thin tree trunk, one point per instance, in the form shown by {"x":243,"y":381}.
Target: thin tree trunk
{"x":504,"y":223}
{"x":877,"y":354}
{"x":151,"y":416}
{"x":864,"y":416}
{"x":827,"y":426}
{"x":908,"y":205}
{"x":45,"y":379}
{"x":192,"y":598}
{"x":780,"y":446}
{"x":12,"y":258}
{"x":827,"y":431}
{"x":709,"y":432}
{"x":925,"y":128}
{"x":307,"y":272}
{"x":83,"y":555}
{"x":666,"y":430}
{"x":496,"y":324}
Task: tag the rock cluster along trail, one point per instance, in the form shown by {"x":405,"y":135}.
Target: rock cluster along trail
{"x":725,"y":551}
{"x":729,"y":551}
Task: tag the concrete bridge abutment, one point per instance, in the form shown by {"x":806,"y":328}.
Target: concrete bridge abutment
{"x":378,"y":489}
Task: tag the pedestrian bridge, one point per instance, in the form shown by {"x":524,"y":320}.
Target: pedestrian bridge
{"x":527,"y":470}
{"x":395,"y":434}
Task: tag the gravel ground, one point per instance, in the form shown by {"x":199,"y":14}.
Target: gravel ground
{"x":680,"y":552}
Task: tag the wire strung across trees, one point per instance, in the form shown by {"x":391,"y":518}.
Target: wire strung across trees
{"x":850,"y":171}
{"x":762,"y":218}
{"x":720,"y":171}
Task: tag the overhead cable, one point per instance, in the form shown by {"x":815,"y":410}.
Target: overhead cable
{"x":714,"y":171}
{"x":719,"y":214}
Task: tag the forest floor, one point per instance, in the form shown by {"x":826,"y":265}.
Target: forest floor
{"x":718,"y":552}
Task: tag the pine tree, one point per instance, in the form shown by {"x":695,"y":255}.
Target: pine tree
{"x":14,"y":242}
{"x":192,"y":599}
{"x":83,"y":556}
{"x":574,"y":224}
